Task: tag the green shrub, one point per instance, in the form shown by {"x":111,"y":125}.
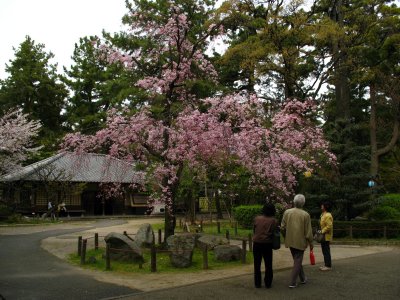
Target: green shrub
{"x":245,"y":214}
{"x":384,"y":213}
{"x":391,"y":200}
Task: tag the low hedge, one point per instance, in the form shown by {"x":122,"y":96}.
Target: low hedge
{"x":391,"y":200}
{"x":384,"y":213}
{"x":245,"y":214}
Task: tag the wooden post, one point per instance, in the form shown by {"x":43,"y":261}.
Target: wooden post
{"x":96,"y":241}
{"x":244,"y":251}
{"x":219,"y":226}
{"x":351,"y":231}
{"x":384,"y":232}
{"x":83,"y":253}
{"x":159,"y":236}
{"x":250,"y":242}
{"x":205,"y":258}
{"x":201,"y":224}
{"x":79,"y":245}
{"x":108,"y":261}
{"x":153,"y":258}
{"x":227,"y":235}
{"x":236,"y":228}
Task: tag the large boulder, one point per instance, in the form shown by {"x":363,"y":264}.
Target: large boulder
{"x":145,"y":235}
{"x":181,"y":247}
{"x":211,"y":241}
{"x":123,"y":248}
{"x":227,"y":253}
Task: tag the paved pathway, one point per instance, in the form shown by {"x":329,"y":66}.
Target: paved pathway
{"x":29,"y":272}
{"x":374,"y":276}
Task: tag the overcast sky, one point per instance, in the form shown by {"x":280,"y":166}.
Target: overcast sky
{"x":56,"y":23}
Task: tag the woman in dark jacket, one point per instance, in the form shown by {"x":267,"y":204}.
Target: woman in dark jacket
{"x":264,"y":226}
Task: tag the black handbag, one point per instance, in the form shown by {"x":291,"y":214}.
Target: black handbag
{"x":276,"y":239}
{"x":319,"y":237}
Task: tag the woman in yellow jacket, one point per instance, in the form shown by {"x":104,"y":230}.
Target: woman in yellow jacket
{"x":326,"y":223}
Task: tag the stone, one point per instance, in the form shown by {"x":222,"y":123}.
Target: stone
{"x":181,"y":247}
{"x":211,"y":241}
{"x":227,"y":253}
{"x":145,"y":235}
{"x":123,"y":248}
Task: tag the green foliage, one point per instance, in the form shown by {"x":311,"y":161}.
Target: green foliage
{"x":33,"y":85}
{"x":384,"y":213}
{"x":245,"y":214}
{"x":95,"y":87}
{"x":391,"y":200}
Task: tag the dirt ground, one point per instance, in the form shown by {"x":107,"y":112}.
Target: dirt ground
{"x":63,"y":245}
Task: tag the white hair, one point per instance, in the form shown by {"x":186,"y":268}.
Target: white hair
{"x":299,"y":200}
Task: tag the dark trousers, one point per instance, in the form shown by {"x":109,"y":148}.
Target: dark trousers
{"x":260,"y":252}
{"x":326,"y":251}
{"x":297,"y":270}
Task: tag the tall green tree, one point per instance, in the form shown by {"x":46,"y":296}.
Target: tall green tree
{"x":95,"y":87}
{"x":33,"y":85}
{"x":277,"y":48}
{"x":362,"y":112}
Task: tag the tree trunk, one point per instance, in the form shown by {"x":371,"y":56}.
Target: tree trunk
{"x":372,"y":133}
{"x":170,"y":212}
{"x":375,"y":151}
{"x":341,"y":81}
{"x":218,"y":206}
{"x":169,"y":222}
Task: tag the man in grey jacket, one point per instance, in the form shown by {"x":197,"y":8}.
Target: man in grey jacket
{"x":296,"y":227}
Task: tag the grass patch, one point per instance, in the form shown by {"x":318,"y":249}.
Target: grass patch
{"x":163,"y":262}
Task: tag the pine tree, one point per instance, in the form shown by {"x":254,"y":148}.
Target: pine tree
{"x":33,"y":85}
{"x":95,"y":87}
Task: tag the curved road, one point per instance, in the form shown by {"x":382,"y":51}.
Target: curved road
{"x":29,"y":272}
